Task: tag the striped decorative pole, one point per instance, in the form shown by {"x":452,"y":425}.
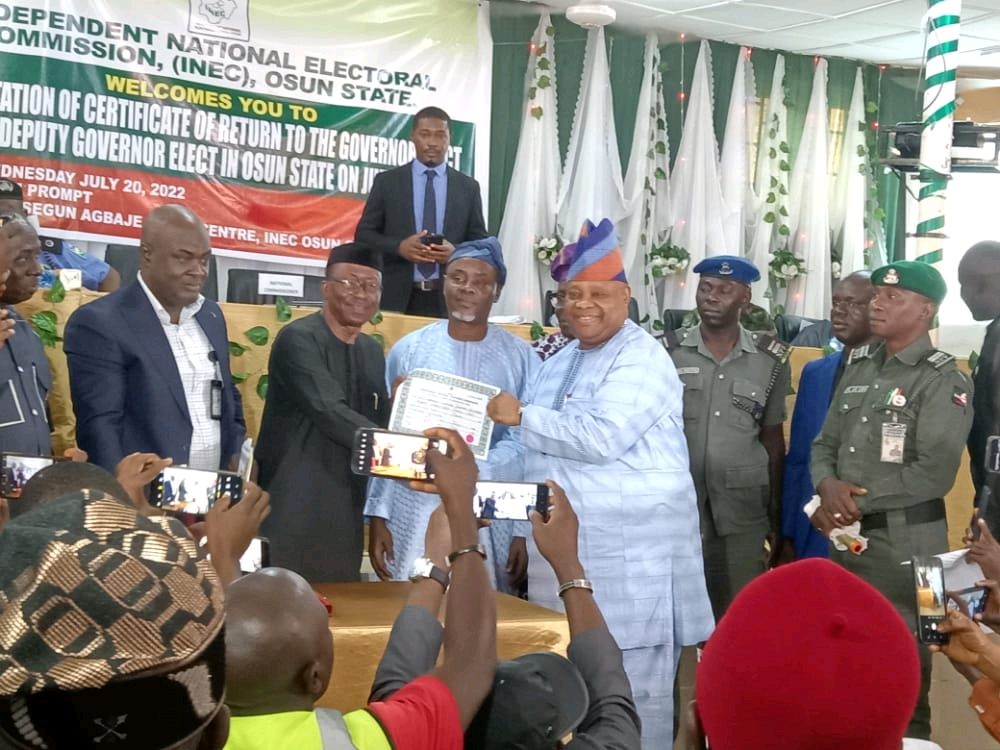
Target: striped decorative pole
{"x":936,"y":138}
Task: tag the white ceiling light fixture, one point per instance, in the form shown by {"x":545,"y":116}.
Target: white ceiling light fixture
{"x":591,"y":16}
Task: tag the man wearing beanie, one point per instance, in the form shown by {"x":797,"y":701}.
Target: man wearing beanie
{"x":468,"y":346}
{"x":111,"y":631}
{"x":808,"y":657}
{"x":892,"y":443}
{"x":327,"y":378}
{"x":604,"y":418}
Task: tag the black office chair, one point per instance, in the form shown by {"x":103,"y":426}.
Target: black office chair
{"x":787,"y":326}
{"x":243,"y":285}
{"x":549,"y":309}
{"x":676,"y":318}
{"x":125,"y":260}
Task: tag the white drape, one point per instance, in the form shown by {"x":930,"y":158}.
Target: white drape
{"x":809,"y":218}
{"x":530,"y":210}
{"x":647,"y":184}
{"x":849,"y":186}
{"x":734,"y":166}
{"x":591,"y":185}
{"x":761,"y":235}
{"x":695,"y":188}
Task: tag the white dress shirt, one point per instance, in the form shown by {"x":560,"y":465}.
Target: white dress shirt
{"x":197,"y":368}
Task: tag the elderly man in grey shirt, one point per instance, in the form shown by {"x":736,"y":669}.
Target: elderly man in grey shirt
{"x":539,"y":698}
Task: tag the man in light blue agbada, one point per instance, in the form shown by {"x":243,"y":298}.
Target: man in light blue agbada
{"x":464,"y":344}
{"x":603,"y":418}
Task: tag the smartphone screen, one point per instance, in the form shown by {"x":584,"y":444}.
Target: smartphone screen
{"x":379,"y":453}
{"x":194,"y":491}
{"x":17,"y":468}
{"x":974,"y":598}
{"x":510,"y":500}
{"x":257,"y":556}
{"x":928,"y":581}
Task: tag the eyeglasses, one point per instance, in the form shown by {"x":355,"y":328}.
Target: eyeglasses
{"x":365,"y":287}
{"x":481,"y":286}
{"x":850,"y":305}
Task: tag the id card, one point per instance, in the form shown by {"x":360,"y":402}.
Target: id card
{"x":215,"y":400}
{"x":993,"y":454}
{"x":893,"y":442}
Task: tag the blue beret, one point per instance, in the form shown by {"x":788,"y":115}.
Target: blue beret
{"x":729,"y":267}
{"x":487,"y":249}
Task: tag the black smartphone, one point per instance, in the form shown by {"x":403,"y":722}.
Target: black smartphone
{"x":928,"y":584}
{"x":400,"y":455}
{"x":974,"y":598}
{"x":194,"y":491}
{"x":432,"y":239}
{"x":257,"y":556}
{"x":510,"y":500}
{"x":17,"y":468}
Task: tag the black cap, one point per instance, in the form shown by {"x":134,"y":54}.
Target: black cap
{"x":537,"y":699}
{"x":355,"y":252}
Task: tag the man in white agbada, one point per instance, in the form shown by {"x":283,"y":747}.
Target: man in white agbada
{"x":464,"y":344}
{"x":603,"y":418}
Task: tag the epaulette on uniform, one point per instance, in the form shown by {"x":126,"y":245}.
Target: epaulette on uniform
{"x":938,"y":359}
{"x":771,"y":346}
{"x":858,"y":353}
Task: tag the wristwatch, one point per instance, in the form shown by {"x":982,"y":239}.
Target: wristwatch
{"x":424,"y":568}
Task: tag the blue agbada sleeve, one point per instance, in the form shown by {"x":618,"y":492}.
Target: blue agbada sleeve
{"x":811,"y":405}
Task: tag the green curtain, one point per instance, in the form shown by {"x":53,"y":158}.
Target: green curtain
{"x":513,"y":25}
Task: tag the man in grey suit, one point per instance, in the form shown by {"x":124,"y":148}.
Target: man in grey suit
{"x":416,"y":214}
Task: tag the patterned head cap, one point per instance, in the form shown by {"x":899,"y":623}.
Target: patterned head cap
{"x":105,"y":615}
{"x":595,"y":256}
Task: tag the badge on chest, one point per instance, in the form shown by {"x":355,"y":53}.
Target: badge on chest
{"x":893,"y":442}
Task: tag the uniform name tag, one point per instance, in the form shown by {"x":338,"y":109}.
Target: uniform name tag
{"x":856,"y":389}
{"x":893,"y":442}
{"x":688,"y":370}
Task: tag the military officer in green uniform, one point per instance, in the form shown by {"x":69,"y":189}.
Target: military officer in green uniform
{"x":735,"y":383}
{"x":892,"y":443}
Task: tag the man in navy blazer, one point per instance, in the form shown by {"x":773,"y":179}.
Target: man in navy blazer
{"x":149,"y":363}
{"x":415,"y":201}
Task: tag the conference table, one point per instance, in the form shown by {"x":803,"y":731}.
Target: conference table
{"x":362,"y":618}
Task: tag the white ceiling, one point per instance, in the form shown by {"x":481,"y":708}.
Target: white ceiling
{"x":879,"y":31}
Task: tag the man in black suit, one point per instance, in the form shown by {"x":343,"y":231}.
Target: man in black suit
{"x":407,"y":205}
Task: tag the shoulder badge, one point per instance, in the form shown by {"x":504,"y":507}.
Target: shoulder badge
{"x":938,"y":359}
{"x":858,"y":353}
{"x":774,"y":348}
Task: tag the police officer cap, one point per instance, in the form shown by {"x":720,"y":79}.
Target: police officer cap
{"x":915,"y":275}
{"x":10,"y":189}
{"x":729,"y":267}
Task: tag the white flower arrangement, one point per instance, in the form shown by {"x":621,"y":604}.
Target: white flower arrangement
{"x":546,"y":248}
{"x":835,"y":269}
{"x":666,"y":260}
{"x":785,"y":266}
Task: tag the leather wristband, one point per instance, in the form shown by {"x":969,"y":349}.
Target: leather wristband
{"x":576,"y":583}
{"x":478,"y":548}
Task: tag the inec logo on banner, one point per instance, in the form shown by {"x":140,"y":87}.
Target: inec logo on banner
{"x":229,"y":19}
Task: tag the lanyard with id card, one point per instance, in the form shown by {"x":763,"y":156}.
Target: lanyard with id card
{"x":215,"y":390}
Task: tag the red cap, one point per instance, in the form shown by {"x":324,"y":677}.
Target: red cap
{"x":808,"y":657}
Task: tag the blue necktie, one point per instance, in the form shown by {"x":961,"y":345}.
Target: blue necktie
{"x":427,"y":270}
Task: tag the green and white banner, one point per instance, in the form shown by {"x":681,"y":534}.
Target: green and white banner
{"x":268,"y":118}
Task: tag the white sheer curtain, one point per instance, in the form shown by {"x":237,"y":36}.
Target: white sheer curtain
{"x":809,"y":295}
{"x":591,"y":185}
{"x":530,"y":210}
{"x":761,"y":234}
{"x":849,"y":185}
{"x":695,"y":188}
{"x":734,"y":166}
{"x":647,"y":184}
